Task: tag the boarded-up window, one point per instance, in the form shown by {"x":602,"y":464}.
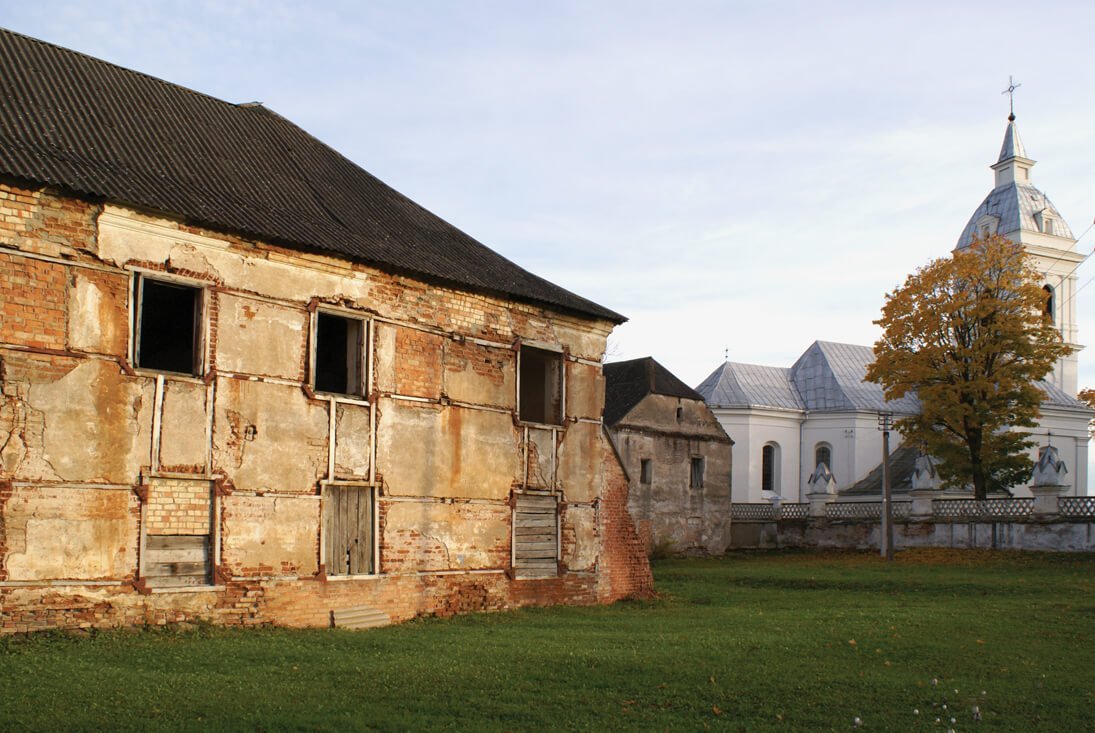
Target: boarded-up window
{"x":349,"y":530}
{"x":541,"y":393}
{"x":168,"y":326}
{"x":695,"y":477}
{"x":177,"y":560}
{"x":536,"y":536}
{"x":646,"y":471}
{"x":339,"y":354}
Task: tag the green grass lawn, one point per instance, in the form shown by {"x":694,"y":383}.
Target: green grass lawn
{"x":750,"y":642}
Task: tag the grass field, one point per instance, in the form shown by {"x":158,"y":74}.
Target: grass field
{"x":750,"y":642}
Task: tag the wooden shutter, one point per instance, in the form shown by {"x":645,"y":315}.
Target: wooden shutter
{"x":349,"y":530}
{"x":536,"y":536}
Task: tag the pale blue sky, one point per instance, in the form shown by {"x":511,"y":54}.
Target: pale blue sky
{"x":749,"y":176}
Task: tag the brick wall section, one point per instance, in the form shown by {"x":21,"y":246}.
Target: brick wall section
{"x":417,"y":363}
{"x":178,"y":506}
{"x":32,"y":302}
{"x":43,"y":222}
{"x":624,"y":567}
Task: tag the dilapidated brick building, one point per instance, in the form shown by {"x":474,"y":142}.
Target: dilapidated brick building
{"x":677,"y":456}
{"x":243,"y":380}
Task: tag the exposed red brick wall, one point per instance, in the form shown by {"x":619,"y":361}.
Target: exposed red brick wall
{"x":624,"y":567}
{"x":417,"y":363}
{"x":32,"y":302}
{"x":178,"y":507}
{"x":45,"y":222}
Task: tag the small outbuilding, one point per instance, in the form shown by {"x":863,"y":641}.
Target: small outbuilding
{"x":677,"y":456}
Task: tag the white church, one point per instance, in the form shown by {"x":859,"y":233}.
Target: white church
{"x":786,"y":421}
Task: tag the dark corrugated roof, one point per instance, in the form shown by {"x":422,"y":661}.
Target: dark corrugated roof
{"x":627,"y":382}
{"x":99,"y":130}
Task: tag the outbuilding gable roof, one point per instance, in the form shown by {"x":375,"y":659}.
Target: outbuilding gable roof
{"x":628,"y":382}
{"x":102,"y":131}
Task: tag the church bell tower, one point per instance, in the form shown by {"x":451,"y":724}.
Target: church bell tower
{"x":1019,"y":211}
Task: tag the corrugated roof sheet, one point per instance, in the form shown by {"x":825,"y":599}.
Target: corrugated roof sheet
{"x":99,"y":130}
{"x":628,"y":382}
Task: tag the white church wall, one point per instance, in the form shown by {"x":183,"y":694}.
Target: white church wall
{"x":751,"y":429}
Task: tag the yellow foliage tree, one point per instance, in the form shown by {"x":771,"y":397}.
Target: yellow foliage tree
{"x":968,"y":334}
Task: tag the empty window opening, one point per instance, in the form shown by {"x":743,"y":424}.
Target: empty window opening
{"x":823,"y":455}
{"x":695,"y":478}
{"x":349,"y":512}
{"x":646,"y":471}
{"x":338,"y":358}
{"x":680,"y":414}
{"x":1048,"y":312}
{"x":541,"y":394}
{"x":168,"y":323}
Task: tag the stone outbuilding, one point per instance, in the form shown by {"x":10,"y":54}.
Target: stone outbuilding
{"x":677,"y":456}
{"x":244,"y":380}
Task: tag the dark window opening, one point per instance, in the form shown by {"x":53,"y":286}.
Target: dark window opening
{"x":695,"y":479}
{"x":646,"y":471}
{"x":767,"y":467}
{"x":168,"y":327}
{"x":1048,"y":312}
{"x":541,"y":394}
{"x":338,"y":364}
{"x":680,"y":413}
{"x":823,"y":455}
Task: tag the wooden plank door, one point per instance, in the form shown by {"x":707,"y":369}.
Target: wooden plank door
{"x":349,"y":530}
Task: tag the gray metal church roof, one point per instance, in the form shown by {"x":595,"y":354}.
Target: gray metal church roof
{"x":828,"y":377}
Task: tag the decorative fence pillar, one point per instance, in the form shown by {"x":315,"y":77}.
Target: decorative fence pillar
{"x":822,"y":490}
{"x":925,"y":487}
{"x":1047,"y":482}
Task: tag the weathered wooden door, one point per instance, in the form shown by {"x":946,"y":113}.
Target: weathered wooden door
{"x":349,"y":530}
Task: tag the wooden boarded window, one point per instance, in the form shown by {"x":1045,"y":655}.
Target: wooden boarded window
{"x":348,"y":530}
{"x":536,"y":536}
{"x":177,"y":560}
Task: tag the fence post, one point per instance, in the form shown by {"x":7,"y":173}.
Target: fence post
{"x":1047,"y":482}
{"x":925,"y":487}
{"x":822,"y":490}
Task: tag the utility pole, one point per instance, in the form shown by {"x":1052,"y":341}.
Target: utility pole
{"x":885,"y":544}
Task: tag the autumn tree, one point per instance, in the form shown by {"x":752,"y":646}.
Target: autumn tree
{"x":968,"y":334}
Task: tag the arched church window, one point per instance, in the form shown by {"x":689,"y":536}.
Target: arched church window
{"x":769,"y":468}
{"x":1049,"y":304}
{"x":823,"y":454}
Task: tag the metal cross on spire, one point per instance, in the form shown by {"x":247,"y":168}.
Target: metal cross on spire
{"x":1010,"y":91}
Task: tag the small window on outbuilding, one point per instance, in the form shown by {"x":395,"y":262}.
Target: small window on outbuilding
{"x":540,"y":397}
{"x":338,"y":365}
{"x":646,"y":471}
{"x":168,"y":326}
{"x":695,"y":477}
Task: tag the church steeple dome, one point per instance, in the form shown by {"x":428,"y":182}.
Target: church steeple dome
{"x":1015,"y":208}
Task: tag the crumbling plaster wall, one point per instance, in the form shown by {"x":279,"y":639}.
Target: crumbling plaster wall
{"x":668,"y":512}
{"x":436,"y":433}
